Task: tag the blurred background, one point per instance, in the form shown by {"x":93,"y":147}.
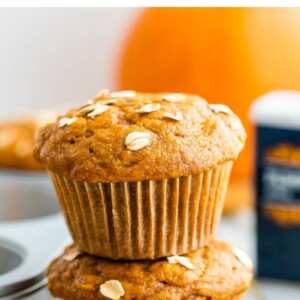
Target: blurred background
{"x":52,"y":59}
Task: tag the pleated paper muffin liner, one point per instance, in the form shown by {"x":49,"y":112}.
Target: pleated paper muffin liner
{"x":144,"y":219}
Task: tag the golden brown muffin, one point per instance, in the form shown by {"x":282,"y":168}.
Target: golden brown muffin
{"x":141,"y":175}
{"x":16,"y":145}
{"x":219,"y":271}
{"x":93,"y":148}
{"x":17,"y":138}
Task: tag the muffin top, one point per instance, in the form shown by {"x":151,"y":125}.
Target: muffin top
{"x":130,"y":136}
{"x":219,"y":271}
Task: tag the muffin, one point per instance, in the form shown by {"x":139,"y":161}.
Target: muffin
{"x":219,"y":271}
{"x":17,"y":138}
{"x":141,"y":176}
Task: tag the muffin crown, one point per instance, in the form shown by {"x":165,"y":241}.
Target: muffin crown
{"x":217,"y":271}
{"x":129,"y":136}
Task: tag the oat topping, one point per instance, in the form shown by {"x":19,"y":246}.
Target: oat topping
{"x":66,"y":121}
{"x":235,"y":125}
{"x":98,"y":110}
{"x":221,"y":108}
{"x":72,"y":255}
{"x":243,"y":257}
{"x":177,"y":117}
{"x":86,"y":110}
{"x":109,"y":101}
{"x":182,"y":260}
{"x":123,"y":94}
{"x":112,"y":289}
{"x":174,"y":97}
{"x":89,"y":102}
{"x":148,"y":108}
{"x":137,"y":140}
{"x":102,"y":93}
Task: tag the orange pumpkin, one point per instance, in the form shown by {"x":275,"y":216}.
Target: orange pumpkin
{"x":227,"y":55}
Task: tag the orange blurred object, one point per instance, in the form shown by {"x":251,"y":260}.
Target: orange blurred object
{"x":226,"y":55}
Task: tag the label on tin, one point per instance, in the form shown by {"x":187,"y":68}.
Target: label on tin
{"x":278,"y":203}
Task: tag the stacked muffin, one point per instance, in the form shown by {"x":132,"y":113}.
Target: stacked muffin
{"x":141,"y":180}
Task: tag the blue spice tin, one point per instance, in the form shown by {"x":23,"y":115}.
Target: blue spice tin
{"x":277,"y":177}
